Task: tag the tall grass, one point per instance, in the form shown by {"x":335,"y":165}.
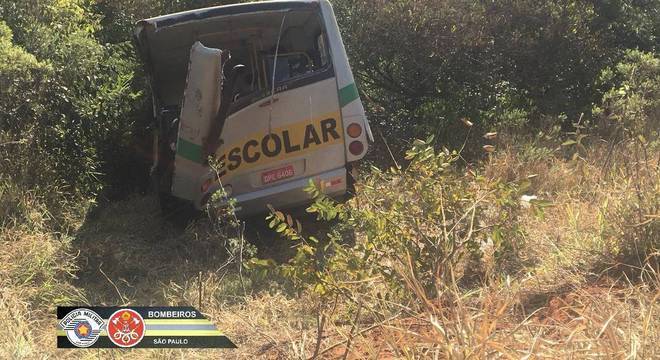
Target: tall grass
{"x":534,"y":253}
{"x":574,"y":275}
{"x":36,"y":269}
{"x":589,"y":287}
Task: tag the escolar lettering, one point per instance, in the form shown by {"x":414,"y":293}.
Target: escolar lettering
{"x":272,"y":145}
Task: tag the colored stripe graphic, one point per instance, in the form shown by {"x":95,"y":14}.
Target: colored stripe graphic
{"x":348,"y":94}
{"x":164,"y":327}
{"x":189,"y":150}
{"x":171,"y":330}
{"x":183,"y":333}
{"x":168,"y":332}
{"x":175,"y":321}
{"x":179,"y":327}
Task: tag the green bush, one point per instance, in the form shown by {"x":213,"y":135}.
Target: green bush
{"x":632,"y":102}
{"x":68,"y":102}
{"x":423,"y":65}
{"x":424,"y":225}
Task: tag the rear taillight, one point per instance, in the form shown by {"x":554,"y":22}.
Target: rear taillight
{"x":206,"y":185}
{"x":356,"y":148}
{"x":354,"y":130}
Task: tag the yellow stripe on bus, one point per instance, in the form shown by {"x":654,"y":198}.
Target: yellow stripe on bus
{"x":292,"y":140}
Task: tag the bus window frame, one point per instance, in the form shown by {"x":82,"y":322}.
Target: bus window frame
{"x":323,"y":73}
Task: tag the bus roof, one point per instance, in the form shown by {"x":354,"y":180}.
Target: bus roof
{"x":211,"y":12}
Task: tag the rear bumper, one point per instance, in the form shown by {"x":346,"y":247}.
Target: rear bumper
{"x":290,"y":194}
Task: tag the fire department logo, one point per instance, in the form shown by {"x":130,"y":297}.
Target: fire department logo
{"x":83,"y":327}
{"x":125,"y":328}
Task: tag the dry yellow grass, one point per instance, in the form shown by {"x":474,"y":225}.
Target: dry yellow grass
{"x":575,"y":293}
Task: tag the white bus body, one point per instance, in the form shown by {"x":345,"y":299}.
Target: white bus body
{"x":268,"y":144}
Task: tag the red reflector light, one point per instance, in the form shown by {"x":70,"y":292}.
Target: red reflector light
{"x":354,"y":130}
{"x":206,"y":185}
{"x":356,"y":148}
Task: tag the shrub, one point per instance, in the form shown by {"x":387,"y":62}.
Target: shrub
{"x":420,"y":224}
{"x":68,"y":102}
{"x":422,"y":65}
{"x":632,"y":103}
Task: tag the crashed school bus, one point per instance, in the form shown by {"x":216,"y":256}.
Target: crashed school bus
{"x":263,"y":88}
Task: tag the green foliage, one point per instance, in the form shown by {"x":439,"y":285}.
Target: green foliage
{"x":419,"y":225}
{"x":431,"y":218}
{"x":65,"y":96}
{"x":318,"y":264}
{"x":576,"y":140}
{"x":632,"y":103}
{"x":422,"y":65}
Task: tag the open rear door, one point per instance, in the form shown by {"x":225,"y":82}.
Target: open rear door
{"x":201,"y":100}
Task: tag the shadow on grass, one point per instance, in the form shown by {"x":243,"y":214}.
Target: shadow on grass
{"x":128,"y":253}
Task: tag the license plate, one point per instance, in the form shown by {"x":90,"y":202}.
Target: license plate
{"x":277,"y":174}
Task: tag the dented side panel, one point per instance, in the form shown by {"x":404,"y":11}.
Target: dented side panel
{"x":200,"y":104}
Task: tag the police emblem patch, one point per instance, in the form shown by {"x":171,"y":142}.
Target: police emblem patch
{"x":83,"y":327}
{"x":126,"y":328}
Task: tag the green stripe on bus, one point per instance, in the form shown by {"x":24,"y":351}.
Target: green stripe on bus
{"x":189,"y":150}
{"x":347,"y":94}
